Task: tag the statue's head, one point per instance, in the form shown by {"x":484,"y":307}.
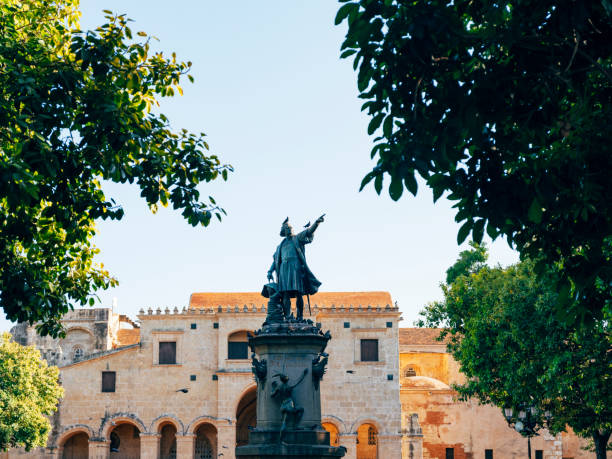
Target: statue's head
{"x":283,"y":378}
{"x":286,"y":228}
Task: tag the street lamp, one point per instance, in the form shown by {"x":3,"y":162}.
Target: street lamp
{"x":526,"y":422}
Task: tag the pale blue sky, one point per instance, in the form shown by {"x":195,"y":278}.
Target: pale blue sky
{"x":280,"y":106}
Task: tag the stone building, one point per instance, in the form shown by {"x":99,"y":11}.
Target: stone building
{"x":178,"y":385}
{"x":436,"y":425}
{"x":181,"y":385}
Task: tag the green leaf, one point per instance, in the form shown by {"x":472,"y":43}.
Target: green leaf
{"x":344,"y":11}
{"x":478,"y":231}
{"x":375,"y":123}
{"x":464,"y":231}
{"x":396,"y":188}
{"x":535,"y":211}
{"x":378,"y":183}
{"x":367,"y":179}
{"x":411,"y":183}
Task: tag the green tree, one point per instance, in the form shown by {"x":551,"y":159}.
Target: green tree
{"x":514,"y":350}
{"x":29,"y":391}
{"x":75,"y":110}
{"x":506,"y":108}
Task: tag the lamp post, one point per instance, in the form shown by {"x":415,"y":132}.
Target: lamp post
{"x":526,"y":422}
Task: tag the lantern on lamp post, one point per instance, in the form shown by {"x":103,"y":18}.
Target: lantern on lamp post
{"x":527,"y":422}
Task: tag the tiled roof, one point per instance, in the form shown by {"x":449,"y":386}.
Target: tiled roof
{"x":212,"y":299}
{"x":127,"y":336}
{"x":408,"y":336}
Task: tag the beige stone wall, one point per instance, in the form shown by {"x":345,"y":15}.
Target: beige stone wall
{"x":148,"y":394}
{"x":467,"y":427}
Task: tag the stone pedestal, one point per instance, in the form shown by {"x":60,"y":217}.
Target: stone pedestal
{"x":288,"y":369}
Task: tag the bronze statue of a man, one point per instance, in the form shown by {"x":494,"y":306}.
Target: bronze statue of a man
{"x":293,"y":276}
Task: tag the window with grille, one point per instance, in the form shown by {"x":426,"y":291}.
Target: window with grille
{"x":450,"y":453}
{"x":108,"y":381}
{"x":167,"y":352}
{"x":488,"y":454}
{"x":77,"y":353}
{"x":369,"y":350}
{"x":203,"y":448}
{"x":371,"y":436}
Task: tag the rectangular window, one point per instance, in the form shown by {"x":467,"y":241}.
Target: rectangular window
{"x":488,"y":454}
{"x":108,"y":381}
{"x":237,"y":350}
{"x":539,"y":454}
{"x":450,"y":453}
{"x":369,"y":350}
{"x":167,"y":352}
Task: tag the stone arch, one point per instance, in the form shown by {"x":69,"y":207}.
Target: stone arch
{"x":333,"y":430}
{"x":158,"y":422}
{"x":79,"y":328}
{"x":120,"y":418}
{"x":364,"y":420}
{"x":197,"y":422}
{"x":338,"y":422}
{"x":74,"y":444}
{"x":206,"y":441}
{"x":246,"y":415}
{"x":123,"y":441}
{"x":407,"y":373}
{"x":367,"y":441}
{"x":244,"y":391}
{"x":69,"y":431}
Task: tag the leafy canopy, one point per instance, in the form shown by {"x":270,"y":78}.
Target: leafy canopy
{"x":29,"y":391}
{"x":76,"y":109}
{"x":514,"y":351}
{"x":506,"y":108}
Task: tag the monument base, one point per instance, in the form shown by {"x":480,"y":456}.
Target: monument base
{"x":289,"y":370}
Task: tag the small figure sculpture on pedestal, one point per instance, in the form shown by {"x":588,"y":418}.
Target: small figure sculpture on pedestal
{"x":291,"y":414}
{"x":294,"y":277}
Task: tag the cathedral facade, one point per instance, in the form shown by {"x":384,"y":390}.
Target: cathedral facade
{"x":178,"y":384}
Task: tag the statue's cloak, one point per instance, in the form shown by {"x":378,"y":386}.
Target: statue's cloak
{"x":293,"y":273}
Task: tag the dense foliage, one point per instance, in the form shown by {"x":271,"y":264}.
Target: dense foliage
{"x":75,"y":110}
{"x":514,"y":351}
{"x":506,"y":108}
{"x":29,"y":391}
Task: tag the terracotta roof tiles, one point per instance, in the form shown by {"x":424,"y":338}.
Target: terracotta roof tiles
{"x":212,"y":299}
{"x":408,"y":336}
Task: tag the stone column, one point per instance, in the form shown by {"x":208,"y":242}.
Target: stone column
{"x":99,"y":449}
{"x":185,"y":446}
{"x":349,"y":441}
{"x":226,"y":441}
{"x":149,"y":445}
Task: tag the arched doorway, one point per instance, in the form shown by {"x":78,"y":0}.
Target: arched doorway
{"x":206,"y":442}
{"x":125,"y":441}
{"x":367,"y":442}
{"x":167,"y":442}
{"x":333,"y":433}
{"x":246,"y":416}
{"x":76,"y":446}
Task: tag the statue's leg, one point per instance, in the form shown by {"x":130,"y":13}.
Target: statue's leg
{"x":299,"y":305}
{"x":286,"y":305}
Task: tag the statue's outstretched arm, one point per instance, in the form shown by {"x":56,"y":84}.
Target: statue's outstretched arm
{"x":311,"y":229}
